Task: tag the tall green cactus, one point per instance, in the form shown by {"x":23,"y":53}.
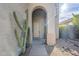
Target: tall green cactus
{"x":21,"y":40}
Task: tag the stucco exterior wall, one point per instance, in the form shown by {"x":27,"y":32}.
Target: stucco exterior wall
{"x":8,"y":42}
{"x":57,"y":20}
{"x":51,"y":13}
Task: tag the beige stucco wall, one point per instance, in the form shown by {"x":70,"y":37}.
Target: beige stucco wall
{"x":57,"y":21}
{"x":51,"y":13}
{"x":8,"y":42}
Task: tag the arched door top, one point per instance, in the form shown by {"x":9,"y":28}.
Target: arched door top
{"x":39,"y":7}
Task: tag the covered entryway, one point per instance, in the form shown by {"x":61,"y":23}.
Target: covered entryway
{"x":39,"y":33}
{"x":39,"y":25}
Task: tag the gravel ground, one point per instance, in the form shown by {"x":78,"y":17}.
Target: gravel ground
{"x":66,"y":48}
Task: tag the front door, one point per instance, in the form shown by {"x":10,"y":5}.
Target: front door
{"x":38,"y":27}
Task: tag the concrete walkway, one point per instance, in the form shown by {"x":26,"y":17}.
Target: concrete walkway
{"x":38,"y":49}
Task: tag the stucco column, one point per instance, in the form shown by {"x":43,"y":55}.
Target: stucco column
{"x":51,"y":30}
{"x":51,"y":35}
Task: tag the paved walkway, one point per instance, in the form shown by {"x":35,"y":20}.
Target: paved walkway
{"x":38,"y":49}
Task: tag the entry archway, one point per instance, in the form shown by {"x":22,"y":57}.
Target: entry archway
{"x":39,"y":24}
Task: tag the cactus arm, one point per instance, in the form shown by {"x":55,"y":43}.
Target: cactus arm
{"x":16,"y":19}
{"x":25,"y":27}
{"x":18,"y":39}
{"x":26,"y":34}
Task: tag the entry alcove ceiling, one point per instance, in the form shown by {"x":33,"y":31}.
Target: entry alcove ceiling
{"x":39,"y":12}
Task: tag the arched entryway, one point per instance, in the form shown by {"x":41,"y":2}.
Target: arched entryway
{"x":39,"y":32}
{"x":39,"y":27}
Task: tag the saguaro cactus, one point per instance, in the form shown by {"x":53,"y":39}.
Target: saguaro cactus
{"x":21,"y":40}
